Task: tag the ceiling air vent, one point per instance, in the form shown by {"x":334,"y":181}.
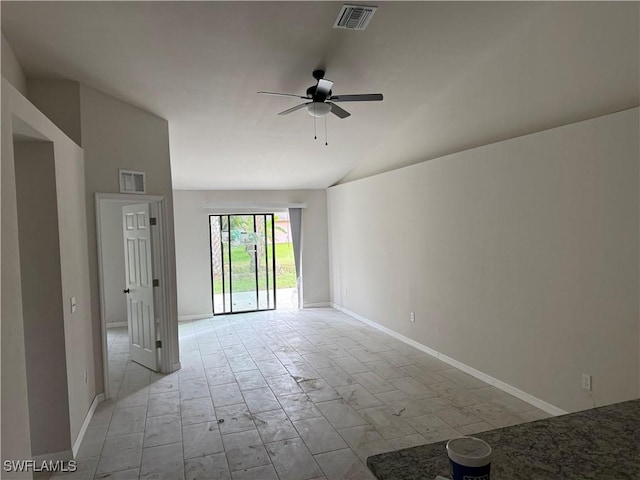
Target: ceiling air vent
{"x":132,"y":182}
{"x":354,"y":17}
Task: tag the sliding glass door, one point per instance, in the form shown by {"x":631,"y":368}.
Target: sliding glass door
{"x":242,"y":263}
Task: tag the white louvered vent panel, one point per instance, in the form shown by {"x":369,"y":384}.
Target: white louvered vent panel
{"x":354,"y":17}
{"x":132,"y":182}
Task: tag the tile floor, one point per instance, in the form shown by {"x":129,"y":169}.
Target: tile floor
{"x":283,"y":395}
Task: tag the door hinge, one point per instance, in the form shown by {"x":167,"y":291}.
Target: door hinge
{"x":156,"y":282}
{"x":153,"y":221}
{"x":158,"y":343}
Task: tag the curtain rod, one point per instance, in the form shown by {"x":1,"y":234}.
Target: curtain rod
{"x":254,"y":207}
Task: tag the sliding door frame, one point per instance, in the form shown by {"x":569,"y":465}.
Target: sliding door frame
{"x":230,"y":311}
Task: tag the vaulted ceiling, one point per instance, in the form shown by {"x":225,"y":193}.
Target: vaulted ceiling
{"x":454,"y":75}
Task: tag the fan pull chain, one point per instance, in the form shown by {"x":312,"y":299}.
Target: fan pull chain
{"x":315,"y":136}
{"x":326,"y":136}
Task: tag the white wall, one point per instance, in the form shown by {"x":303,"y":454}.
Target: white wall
{"x":16,"y":437}
{"x":60,"y":101}
{"x":192,"y":210}
{"x":520,"y":258}
{"x":42,"y":299}
{"x":11,"y":69}
{"x":74,"y":272}
{"x":114,"y":135}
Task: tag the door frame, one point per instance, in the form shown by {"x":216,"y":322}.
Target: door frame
{"x":162,"y":294}
{"x":273,"y":265}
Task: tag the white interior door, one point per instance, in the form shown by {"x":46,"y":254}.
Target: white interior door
{"x":139,"y":285}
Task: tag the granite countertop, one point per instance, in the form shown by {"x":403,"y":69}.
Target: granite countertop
{"x":598,"y":444}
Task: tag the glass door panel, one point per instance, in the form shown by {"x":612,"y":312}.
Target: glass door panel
{"x":244,"y":276}
{"x":242,"y":263}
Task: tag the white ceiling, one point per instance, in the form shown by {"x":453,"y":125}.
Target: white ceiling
{"x":454,"y":75}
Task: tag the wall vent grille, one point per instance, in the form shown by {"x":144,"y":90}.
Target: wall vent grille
{"x":354,"y":17}
{"x":132,"y":182}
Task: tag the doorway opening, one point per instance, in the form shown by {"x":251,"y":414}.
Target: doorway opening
{"x":252,"y":263}
{"x":134,"y":289}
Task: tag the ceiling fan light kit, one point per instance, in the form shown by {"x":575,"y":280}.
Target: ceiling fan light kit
{"x":321,"y":101}
{"x":318,"y":109}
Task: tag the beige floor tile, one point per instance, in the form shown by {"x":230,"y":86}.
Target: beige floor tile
{"x":292,"y":460}
{"x":162,"y":430}
{"x":219,"y":376}
{"x":201,"y":439}
{"x":319,"y":435}
{"x":274,"y":426}
{"x":407,"y":442}
{"x":162,"y":462}
{"x":313,"y":391}
{"x":207,"y":468}
{"x":474,"y":428}
{"x":197,"y":410}
{"x":365,"y":441}
{"x":336,"y":377}
{"x":388,"y":424}
{"x":250,"y":379}
{"x":413,"y":388}
{"x":299,"y":407}
{"x":318,"y":390}
{"x":457,"y":417}
{"x":373,"y":382}
{"x":265,"y":472}
{"x":340,"y":414}
{"x":283,"y":385}
{"x":136,"y":396}
{"x":358,"y":397}
{"x":260,"y":400}
{"x":165,"y":403}
{"x":245,"y":450}
{"x":121,"y":453}
{"x":127,"y":420}
{"x":92,"y":441}
{"x":343,"y":464}
{"x":234,"y":418}
{"x":228,"y":394}
{"x":494,"y":415}
{"x":351,"y":365}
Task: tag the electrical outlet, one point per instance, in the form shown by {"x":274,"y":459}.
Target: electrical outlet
{"x":413,"y":316}
{"x":586,"y":381}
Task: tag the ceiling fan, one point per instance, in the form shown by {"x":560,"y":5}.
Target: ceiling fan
{"x":321,"y":101}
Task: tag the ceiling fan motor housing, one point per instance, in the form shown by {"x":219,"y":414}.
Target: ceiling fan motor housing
{"x":317,"y":96}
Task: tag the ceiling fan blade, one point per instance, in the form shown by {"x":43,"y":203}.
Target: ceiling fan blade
{"x":293,"y":109}
{"x":338,"y":111}
{"x":324,"y":87}
{"x":282,"y":94}
{"x":365,"y":97}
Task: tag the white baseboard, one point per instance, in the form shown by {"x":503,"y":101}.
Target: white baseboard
{"x":117,"y":324}
{"x":87,"y":419}
{"x":176,"y":367}
{"x":505,"y":387}
{"x":199,"y":316}
{"x":316,"y":305}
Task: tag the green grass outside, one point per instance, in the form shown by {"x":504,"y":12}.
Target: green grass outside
{"x":244,"y":279}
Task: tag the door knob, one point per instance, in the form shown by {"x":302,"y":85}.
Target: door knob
{"x":126,"y":291}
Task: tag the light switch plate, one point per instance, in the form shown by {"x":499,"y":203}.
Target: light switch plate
{"x":74,"y":305}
